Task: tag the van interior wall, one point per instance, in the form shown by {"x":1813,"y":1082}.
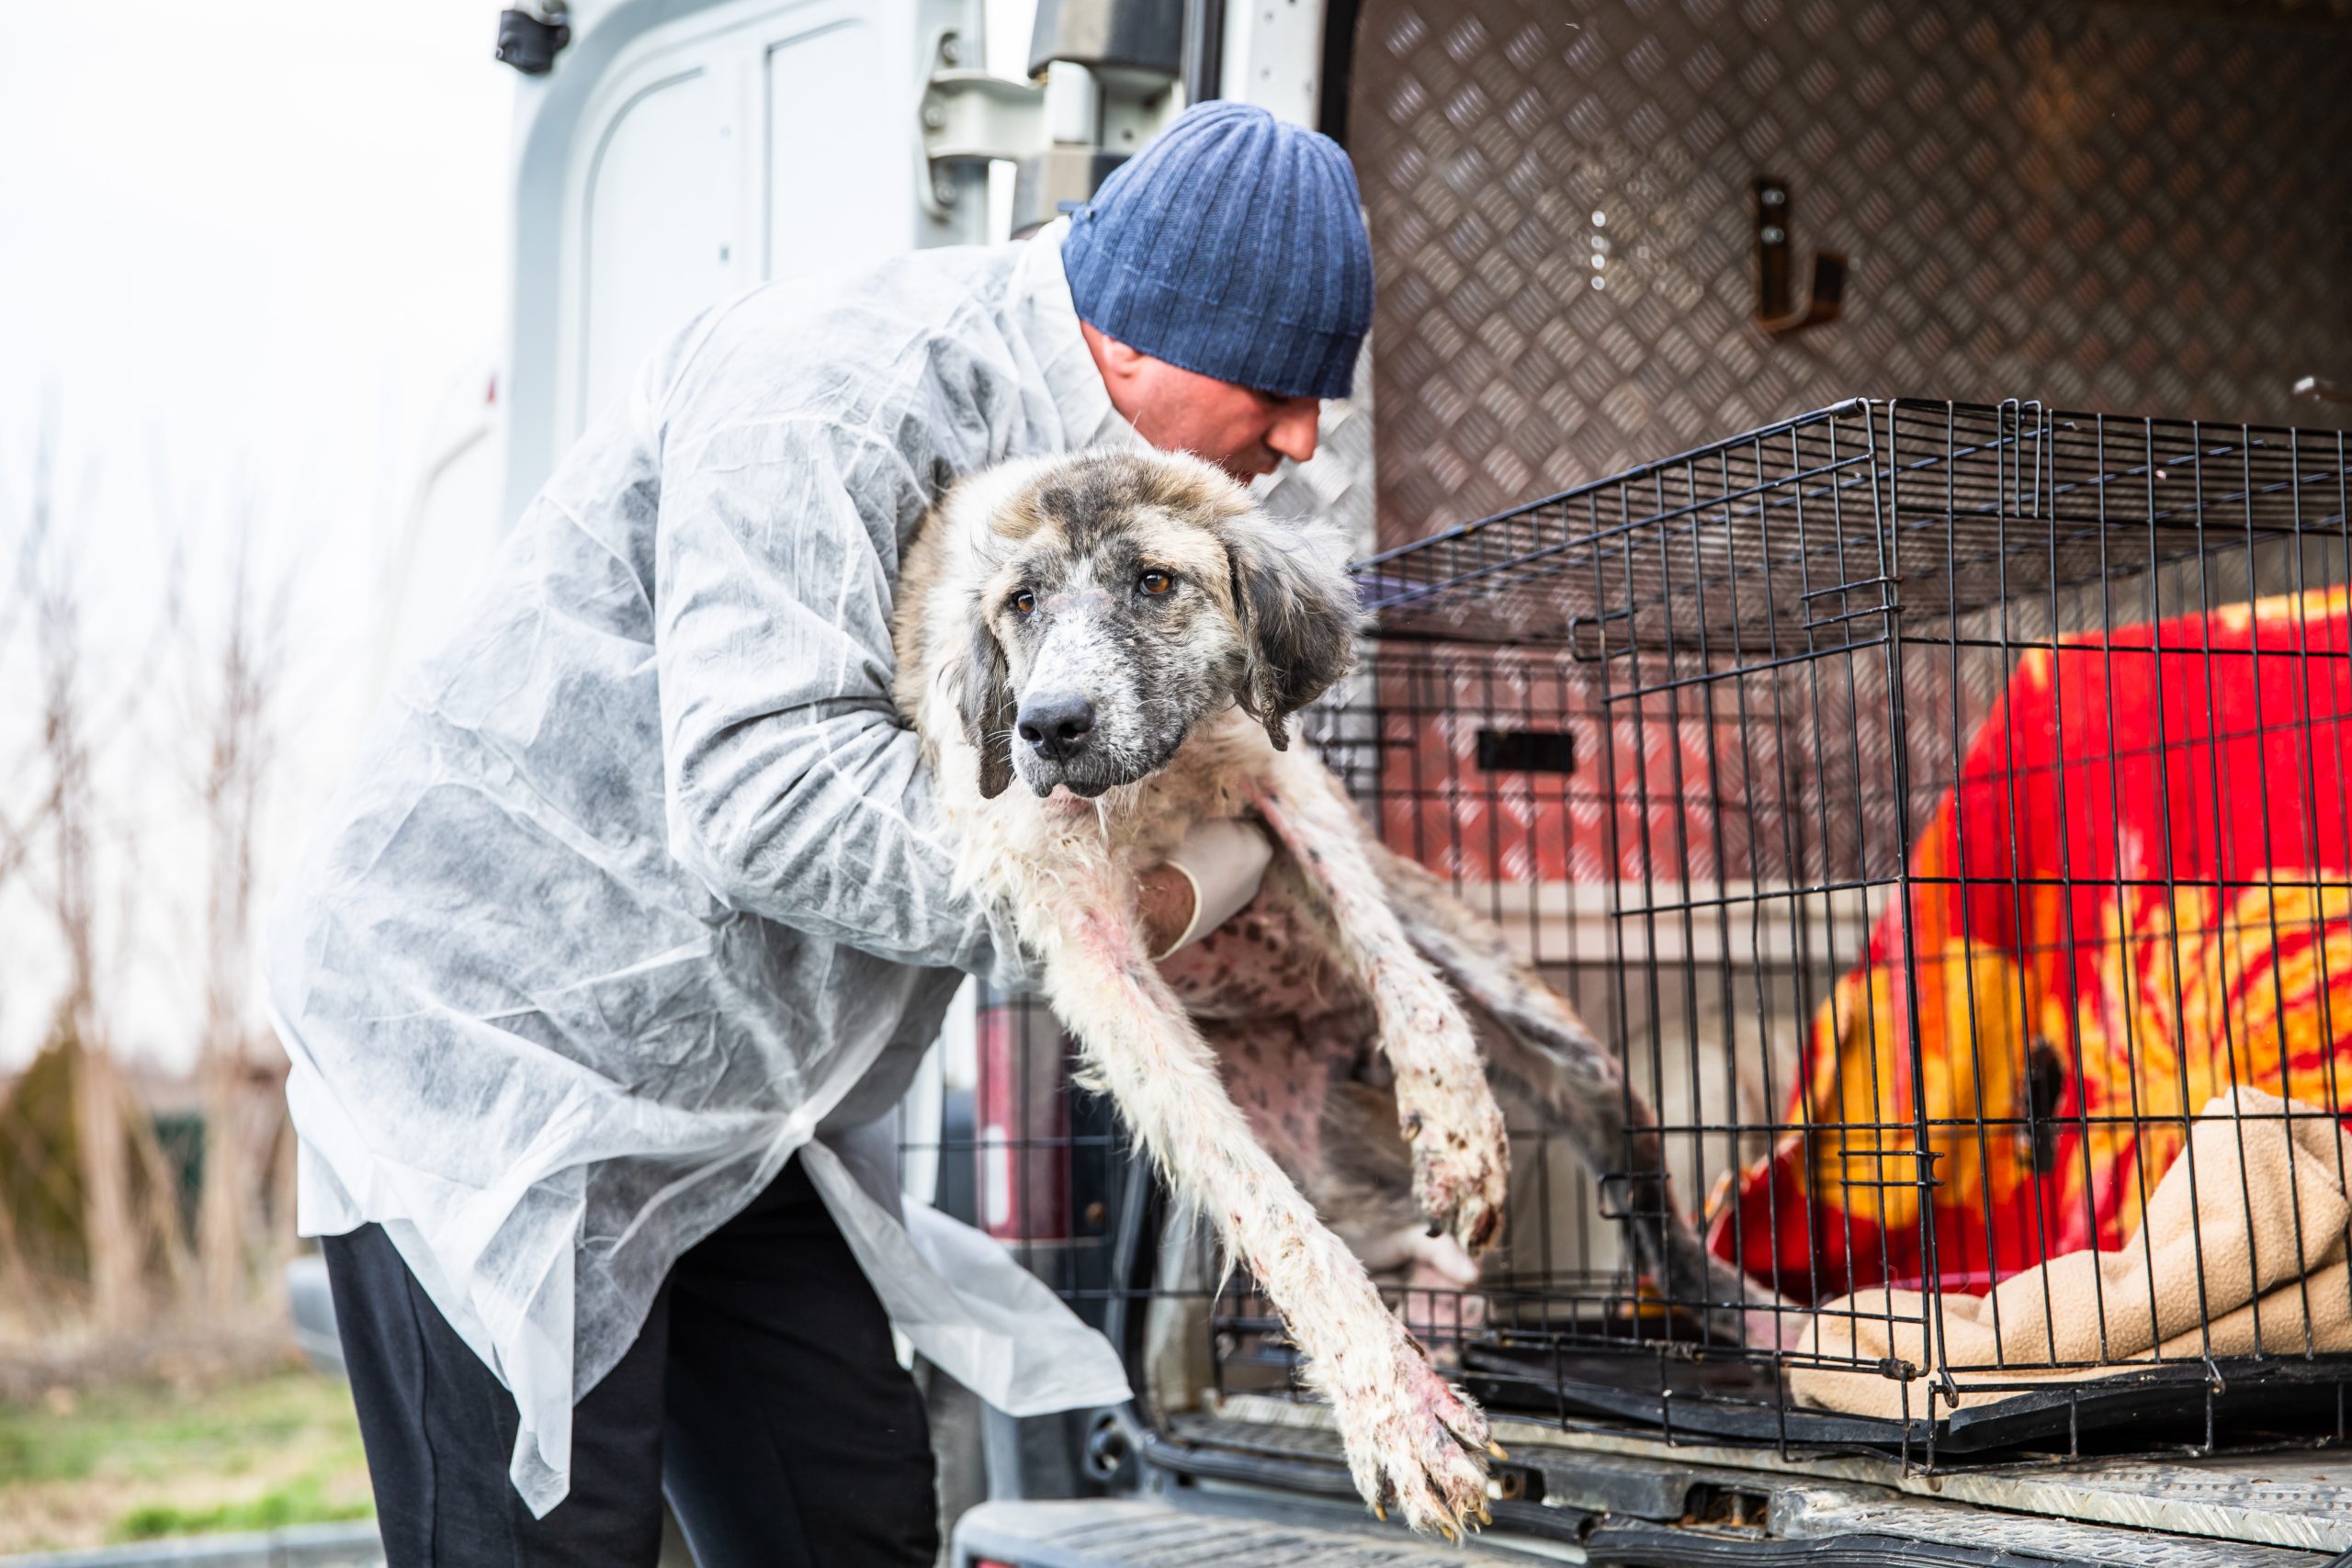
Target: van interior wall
{"x":2123,"y":207}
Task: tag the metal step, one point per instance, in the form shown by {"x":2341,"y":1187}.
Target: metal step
{"x":1141,"y":1533}
{"x":1819,"y":1527}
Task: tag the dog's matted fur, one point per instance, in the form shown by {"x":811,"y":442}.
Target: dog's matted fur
{"x":1126,"y":637}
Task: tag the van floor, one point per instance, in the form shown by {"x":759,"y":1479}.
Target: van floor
{"x":2295,"y":1501}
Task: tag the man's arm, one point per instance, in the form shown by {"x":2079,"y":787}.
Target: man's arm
{"x":796,"y":791}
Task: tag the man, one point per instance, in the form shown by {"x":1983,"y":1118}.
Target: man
{"x":634,"y":918}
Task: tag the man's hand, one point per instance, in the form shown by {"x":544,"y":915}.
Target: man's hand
{"x":1213,"y":873}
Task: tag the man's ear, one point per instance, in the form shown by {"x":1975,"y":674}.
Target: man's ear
{"x":1298,"y":615}
{"x":988,"y":707}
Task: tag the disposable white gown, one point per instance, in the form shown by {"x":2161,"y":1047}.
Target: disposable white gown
{"x":639,"y":887}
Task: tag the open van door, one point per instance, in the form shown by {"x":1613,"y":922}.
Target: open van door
{"x":679,"y":152}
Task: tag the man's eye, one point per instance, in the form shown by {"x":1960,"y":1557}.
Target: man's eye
{"x":1154,"y":583}
{"x":1024,"y":603}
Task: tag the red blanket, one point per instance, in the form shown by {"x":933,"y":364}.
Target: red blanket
{"x":2138,"y":896}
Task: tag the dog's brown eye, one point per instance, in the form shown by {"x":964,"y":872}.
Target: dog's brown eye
{"x":1024,"y":603}
{"x":1155,"y":582}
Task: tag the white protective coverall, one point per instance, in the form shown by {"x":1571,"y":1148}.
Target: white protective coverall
{"x":638,"y":886}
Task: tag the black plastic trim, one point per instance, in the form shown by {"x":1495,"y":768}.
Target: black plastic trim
{"x":1204,"y":49}
{"x":1125,"y":35}
{"x":1340,"y":19}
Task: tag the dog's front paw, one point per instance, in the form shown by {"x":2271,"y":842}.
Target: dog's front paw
{"x":1461,"y":1154}
{"x":1417,"y":1445}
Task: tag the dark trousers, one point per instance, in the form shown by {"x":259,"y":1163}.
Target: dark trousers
{"x":761,"y":1398}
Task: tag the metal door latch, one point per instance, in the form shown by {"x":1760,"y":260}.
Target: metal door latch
{"x":532,"y":34}
{"x":970,"y":117}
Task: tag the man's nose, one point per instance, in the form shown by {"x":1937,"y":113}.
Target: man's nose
{"x":1057,"y":725}
{"x":1294,"y":431}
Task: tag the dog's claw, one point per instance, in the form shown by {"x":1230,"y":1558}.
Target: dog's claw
{"x":1460,"y":1190}
{"x":1414,"y":1440}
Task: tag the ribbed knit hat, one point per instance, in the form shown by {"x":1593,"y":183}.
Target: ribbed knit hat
{"x":1233,"y":245}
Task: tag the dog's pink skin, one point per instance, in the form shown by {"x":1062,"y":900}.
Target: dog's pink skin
{"x":1275,"y":961}
{"x":1447,"y":1112}
{"x":1409,"y":1436}
{"x":1265,"y":989}
{"x":1261,"y":963}
{"x":1279,"y":1075}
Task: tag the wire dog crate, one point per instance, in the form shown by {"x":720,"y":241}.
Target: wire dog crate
{"x":1942,"y":810}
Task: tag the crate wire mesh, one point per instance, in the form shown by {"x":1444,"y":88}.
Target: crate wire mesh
{"x":1804,"y":662}
{"x":1693,"y":735}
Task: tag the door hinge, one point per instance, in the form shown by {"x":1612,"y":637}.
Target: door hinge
{"x":972,"y":117}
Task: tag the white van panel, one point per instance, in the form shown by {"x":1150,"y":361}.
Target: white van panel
{"x":680,"y":153}
{"x":659,"y":225}
{"x":821,"y":187}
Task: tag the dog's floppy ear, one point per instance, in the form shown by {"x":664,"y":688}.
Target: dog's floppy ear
{"x":988,"y":707}
{"x":1298,"y":615}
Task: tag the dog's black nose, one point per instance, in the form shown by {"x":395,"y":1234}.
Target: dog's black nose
{"x":1057,"y":725}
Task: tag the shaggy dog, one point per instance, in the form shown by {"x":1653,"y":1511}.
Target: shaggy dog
{"x":1125,"y":638}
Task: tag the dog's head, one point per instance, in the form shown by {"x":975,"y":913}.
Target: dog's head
{"x":1124,"y":599}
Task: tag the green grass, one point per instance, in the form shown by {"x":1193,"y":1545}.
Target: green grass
{"x":136,"y":1463}
{"x":300,"y":1501}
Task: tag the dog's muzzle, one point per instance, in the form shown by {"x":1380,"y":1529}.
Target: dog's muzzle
{"x":1057,"y":727}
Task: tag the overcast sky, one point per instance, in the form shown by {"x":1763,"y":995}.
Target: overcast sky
{"x":264,"y":227}
{"x":249,"y":247}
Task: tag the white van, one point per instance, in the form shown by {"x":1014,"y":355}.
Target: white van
{"x":1593,"y":224}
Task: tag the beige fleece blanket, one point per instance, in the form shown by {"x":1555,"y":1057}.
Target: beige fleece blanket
{"x":2266,"y":1211}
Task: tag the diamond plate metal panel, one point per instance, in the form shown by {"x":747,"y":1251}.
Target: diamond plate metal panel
{"x":1103,"y":1532}
{"x":1336,"y":483}
{"x":2126,"y":207}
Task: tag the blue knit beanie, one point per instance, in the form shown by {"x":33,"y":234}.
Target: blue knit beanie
{"x":1233,"y":245}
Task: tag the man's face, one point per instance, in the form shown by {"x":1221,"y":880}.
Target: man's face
{"x":1242,"y":431}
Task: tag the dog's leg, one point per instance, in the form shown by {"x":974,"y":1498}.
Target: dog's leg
{"x":1541,"y":1052}
{"x":1461,"y":1155}
{"x":1411,"y":1437}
